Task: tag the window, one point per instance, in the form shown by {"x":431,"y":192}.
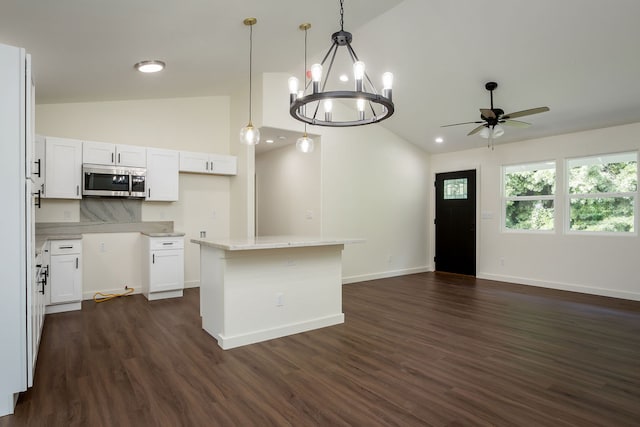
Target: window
{"x":455,"y":188}
{"x":529,"y":196}
{"x":602,"y":193}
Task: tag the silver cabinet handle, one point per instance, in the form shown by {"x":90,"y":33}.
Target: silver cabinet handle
{"x":112,"y":158}
{"x":153,"y":258}
{"x":77,"y":190}
{"x":66,"y":247}
{"x":168,"y":243}
{"x":118,"y":158}
{"x":76,"y":263}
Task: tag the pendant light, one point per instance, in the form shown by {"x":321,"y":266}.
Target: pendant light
{"x":250,"y":135}
{"x":304,"y":144}
{"x":370,"y":106}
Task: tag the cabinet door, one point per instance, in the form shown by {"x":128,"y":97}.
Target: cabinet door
{"x":166,"y":272}
{"x":63,"y":171}
{"x":222,"y":165}
{"x":131,"y":155}
{"x":66,"y":278}
{"x":99,"y":153}
{"x":162,"y":174}
{"x":194,"y":162}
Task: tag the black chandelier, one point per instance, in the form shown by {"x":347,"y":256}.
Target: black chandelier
{"x":371,"y":107}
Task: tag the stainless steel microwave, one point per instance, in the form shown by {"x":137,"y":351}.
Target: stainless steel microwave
{"x":113,"y":181}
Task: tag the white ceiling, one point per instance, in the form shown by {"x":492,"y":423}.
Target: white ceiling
{"x":579,"y":57}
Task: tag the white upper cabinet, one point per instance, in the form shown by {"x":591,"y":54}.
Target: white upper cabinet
{"x":63,"y":168}
{"x":162,"y":175}
{"x":104,"y":153}
{"x":207,"y":163}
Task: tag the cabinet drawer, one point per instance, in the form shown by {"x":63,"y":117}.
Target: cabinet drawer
{"x":160,"y":243}
{"x":62,"y":247}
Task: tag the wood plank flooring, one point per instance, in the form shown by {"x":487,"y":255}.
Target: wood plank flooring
{"x":426,"y":349}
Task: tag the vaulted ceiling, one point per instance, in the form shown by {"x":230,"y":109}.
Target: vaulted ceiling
{"x":579,"y":57}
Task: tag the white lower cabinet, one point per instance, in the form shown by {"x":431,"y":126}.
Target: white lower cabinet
{"x":163,"y":267}
{"x":65,"y":275}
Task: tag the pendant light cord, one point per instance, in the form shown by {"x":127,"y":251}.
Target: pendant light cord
{"x":250,"y":69}
{"x":305,"y":68}
{"x":341,"y":15}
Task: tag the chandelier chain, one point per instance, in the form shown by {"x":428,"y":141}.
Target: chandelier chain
{"x":341,"y":15}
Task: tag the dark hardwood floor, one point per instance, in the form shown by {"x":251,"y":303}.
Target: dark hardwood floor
{"x":425,"y":349}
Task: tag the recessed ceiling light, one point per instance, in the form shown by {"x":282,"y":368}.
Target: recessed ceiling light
{"x":439,"y":140}
{"x":269,"y":141}
{"x":344,"y":78}
{"x":282,"y":137}
{"x":150,"y":66}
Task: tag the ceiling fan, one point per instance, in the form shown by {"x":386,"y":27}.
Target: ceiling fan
{"x":492,"y":118}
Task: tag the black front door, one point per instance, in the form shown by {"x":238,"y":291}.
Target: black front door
{"x":456,"y":222}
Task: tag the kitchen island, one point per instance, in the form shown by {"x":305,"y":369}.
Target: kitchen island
{"x":257,"y":289}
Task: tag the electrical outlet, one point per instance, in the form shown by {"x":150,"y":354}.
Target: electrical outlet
{"x":102,"y":247}
{"x":279,"y":299}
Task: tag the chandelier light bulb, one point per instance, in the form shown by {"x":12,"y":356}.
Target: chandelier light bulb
{"x":387,"y":80}
{"x":358,"y":74}
{"x":293,"y":89}
{"x":293,"y":85}
{"x":328,"y":107}
{"x":360,"y":103}
{"x":304,"y":144}
{"x":316,"y":72}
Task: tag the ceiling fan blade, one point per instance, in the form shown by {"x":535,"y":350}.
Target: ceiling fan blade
{"x":515,"y":123}
{"x":488,"y":113}
{"x":525,"y":112}
{"x":457,"y":124}
{"x":476,"y":130}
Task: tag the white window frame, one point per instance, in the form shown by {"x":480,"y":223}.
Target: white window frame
{"x":529,"y":166}
{"x":569,"y":196}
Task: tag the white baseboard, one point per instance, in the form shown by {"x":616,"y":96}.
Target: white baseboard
{"x":192,"y":284}
{"x":634,"y":296}
{"x":385,"y":274}
{"x":229,"y":342}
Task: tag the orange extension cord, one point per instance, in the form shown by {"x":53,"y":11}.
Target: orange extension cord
{"x":108,"y":297}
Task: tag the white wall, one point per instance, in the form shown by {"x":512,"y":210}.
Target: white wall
{"x":192,"y":124}
{"x":602,"y":265}
{"x":288,"y":192}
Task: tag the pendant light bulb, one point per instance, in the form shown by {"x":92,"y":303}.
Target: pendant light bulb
{"x":358,"y":70}
{"x":304,"y":144}
{"x":316,"y":72}
{"x":249,"y":135}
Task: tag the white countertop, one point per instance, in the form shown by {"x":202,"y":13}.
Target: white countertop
{"x":274,"y":242}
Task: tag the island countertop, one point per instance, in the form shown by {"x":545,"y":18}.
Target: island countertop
{"x":274,"y":242}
